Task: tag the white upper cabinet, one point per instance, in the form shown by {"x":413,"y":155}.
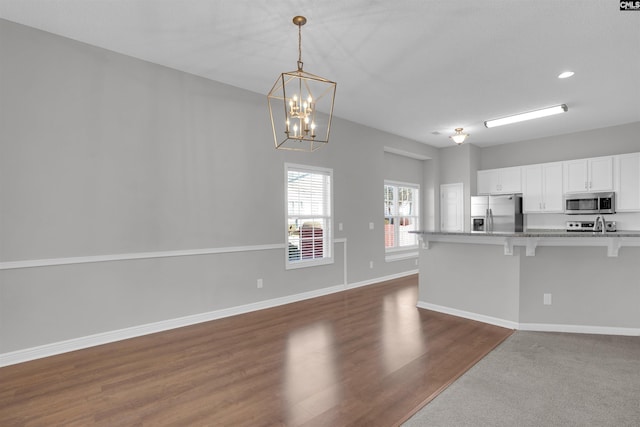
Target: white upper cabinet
{"x":511,"y":180}
{"x":500,"y":181}
{"x":588,"y":175}
{"x":542,"y":188}
{"x":575,"y":176}
{"x":487,"y":180}
{"x":544,"y":185}
{"x":601,"y":174}
{"x":627,"y":182}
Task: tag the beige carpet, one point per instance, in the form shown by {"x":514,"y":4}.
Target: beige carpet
{"x":545,"y":379}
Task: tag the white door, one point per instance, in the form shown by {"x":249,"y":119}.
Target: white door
{"x":452,"y":207}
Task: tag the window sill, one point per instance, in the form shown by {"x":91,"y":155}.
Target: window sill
{"x":308,"y":263}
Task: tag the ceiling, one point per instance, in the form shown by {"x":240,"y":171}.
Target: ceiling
{"x":413,"y":68}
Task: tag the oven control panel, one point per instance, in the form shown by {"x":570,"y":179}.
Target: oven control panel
{"x":588,"y":225}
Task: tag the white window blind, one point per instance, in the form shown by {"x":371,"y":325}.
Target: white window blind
{"x":309,"y":216}
{"x":401,"y":215}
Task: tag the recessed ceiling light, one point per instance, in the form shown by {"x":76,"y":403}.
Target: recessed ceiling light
{"x":566,"y":74}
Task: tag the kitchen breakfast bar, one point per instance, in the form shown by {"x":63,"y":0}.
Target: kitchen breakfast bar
{"x":542,"y":280}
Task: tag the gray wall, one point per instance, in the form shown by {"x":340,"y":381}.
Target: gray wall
{"x":403,"y":169}
{"x":460,"y":164}
{"x":473,"y":278}
{"x":104,"y":154}
{"x":580,"y":145}
{"x":431,"y":191}
{"x":588,"y":288}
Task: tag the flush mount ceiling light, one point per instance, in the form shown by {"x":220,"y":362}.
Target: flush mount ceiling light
{"x":301,"y":106}
{"x":536,"y":114}
{"x":459,"y":137}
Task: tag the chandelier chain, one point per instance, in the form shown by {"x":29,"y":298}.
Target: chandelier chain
{"x":299,"y":47}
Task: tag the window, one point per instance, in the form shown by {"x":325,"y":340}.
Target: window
{"x":401,"y":215}
{"x":309,"y":216}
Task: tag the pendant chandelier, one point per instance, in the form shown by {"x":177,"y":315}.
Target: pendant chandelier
{"x":301,"y":106}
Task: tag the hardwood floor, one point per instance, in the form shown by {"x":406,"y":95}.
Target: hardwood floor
{"x":363,"y":357}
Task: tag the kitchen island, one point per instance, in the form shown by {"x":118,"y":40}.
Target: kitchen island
{"x":545,"y":280}
{"x":531,"y":239}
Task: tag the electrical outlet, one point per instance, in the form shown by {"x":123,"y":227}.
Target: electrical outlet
{"x":370,"y":264}
{"x":259,"y":283}
{"x":547,"y":299}
{"x":339,"y":226}
{"x":370,"y":226}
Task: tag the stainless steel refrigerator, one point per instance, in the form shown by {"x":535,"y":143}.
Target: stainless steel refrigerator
{"x":496,"y":214}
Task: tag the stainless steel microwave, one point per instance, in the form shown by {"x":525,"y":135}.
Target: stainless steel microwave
{"x":590,"y":203}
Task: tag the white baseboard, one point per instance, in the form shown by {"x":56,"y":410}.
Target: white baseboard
{"x":52,"y":349}
{"x":381,"y":279}
{"x":580,"y":329}
{"x":469,"y":315}
{"x":60,"y":347}
{"x":537,"y":327}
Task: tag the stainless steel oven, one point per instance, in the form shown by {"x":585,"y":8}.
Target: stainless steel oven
{"x":590,"y":203}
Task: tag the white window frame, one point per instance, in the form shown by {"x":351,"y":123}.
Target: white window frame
{"x":326,"y":216}
{"x":414,"y":217}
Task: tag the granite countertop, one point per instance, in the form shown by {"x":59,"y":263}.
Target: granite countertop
{"x":540,"y":233}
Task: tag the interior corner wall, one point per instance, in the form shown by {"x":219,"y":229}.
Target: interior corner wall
{"x":104,"y":155}
{"x":459,"y":164}
{"x":431,"y":193}
{"x":474,"y":166}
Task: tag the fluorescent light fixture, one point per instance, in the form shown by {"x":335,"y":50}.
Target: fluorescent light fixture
{"x":536,"y":114}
